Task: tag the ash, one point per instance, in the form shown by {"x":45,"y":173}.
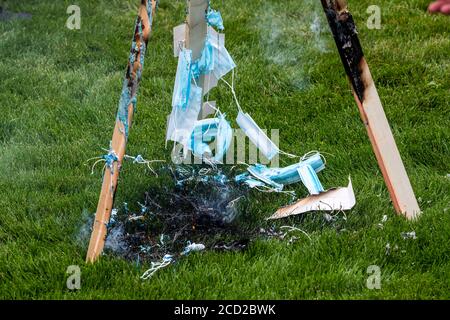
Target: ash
{"x":188,"y":204}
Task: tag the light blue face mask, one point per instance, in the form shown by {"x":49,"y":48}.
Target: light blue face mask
{"x":214,"y":19}
{"x":256,"y":135}
{"x":252,"y":183}
{"x":223,"y":63}
{"x":223,"y":139}
{"x":182,"y":121}
{"x":204,"y":132}
{"x":204,"y":65}
{"x":182,"y":87}
{"x":208,"y":130}
{"x":278,"y":177}
{"x":289,"y":174}
{"x":262,"y":173}
{"x":310,"y":179}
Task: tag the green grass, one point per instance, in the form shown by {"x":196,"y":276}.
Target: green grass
{"x":59,"y":91}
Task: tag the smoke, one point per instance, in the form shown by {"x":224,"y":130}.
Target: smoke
{"x":84,"y":233}
{"x":116,"y":239}
{"x":293,"y":35}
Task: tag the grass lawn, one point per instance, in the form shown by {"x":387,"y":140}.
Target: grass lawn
{"x":59,"y":91}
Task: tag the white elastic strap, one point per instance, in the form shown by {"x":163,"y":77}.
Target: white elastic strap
{"x":296,"y":229}
{"x":100,"y":159}
{"x":155,"y":267}
{"x":231,"y":86}
{"x":271,"y":189}
{"x":290,"y":155}
{"x":313,"y":153}
{"x":140,"y":160}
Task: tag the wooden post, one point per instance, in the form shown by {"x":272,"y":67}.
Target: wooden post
{"x":369,"y":104}
{"x":142,"y":32}
{"x":196,"y":30}
{"x":196,"y":27}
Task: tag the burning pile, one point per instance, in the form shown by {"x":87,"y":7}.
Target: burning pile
{"x":190,"y":205}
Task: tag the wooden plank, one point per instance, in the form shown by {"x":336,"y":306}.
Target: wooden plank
{"x":370,"y":107}
{"x":197,"y":28}
{"x":119,"y":139}
{"x":196,"y":31}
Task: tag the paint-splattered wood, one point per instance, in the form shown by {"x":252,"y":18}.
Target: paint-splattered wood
{"x":369,"y":103}
{"x":142,"y":32}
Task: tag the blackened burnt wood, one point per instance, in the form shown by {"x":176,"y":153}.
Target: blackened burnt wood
{"x":372,"y":113}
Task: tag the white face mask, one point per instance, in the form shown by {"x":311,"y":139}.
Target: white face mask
{"x":256,"y":135}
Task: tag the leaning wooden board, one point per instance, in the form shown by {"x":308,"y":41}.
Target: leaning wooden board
{"x":142,"y":32}
{"x":369,"y":104}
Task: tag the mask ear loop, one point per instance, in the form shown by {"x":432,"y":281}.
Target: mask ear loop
{"x":217,"y":110}
{"x":231,"y":86}
{"x":289,"y":155}
{"x":312,"y":153}
{"x":140,"y":160}
{"x":99,"y":159}
{"x":267,"y":189}
{"x":155,"y":266}
{"x":291,"y":229}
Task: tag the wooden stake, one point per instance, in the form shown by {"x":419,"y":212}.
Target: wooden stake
{"x":196,"y":30}
{"x":369,"y":104}
{"x":142,"y":32}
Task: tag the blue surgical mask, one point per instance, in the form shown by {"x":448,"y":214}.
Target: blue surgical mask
{"x":204,"y":65}
{"x":256,"y":135}
{"x":214,"y":19}
{"x":182,"y":120}
{"x":278,"y":177}
{"x":182,"y":87}
{"x":223,"y":139}
{"x":263,"y":173}
{"x":289,"y":174}
{"x":204,"y":132}
{"x":210,"y":129}
{"x":223,"y":62}
{"x":310,"y":179}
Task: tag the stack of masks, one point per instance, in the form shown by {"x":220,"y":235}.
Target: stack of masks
{"x":276,"y":178}
{"x":214,"y":62}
